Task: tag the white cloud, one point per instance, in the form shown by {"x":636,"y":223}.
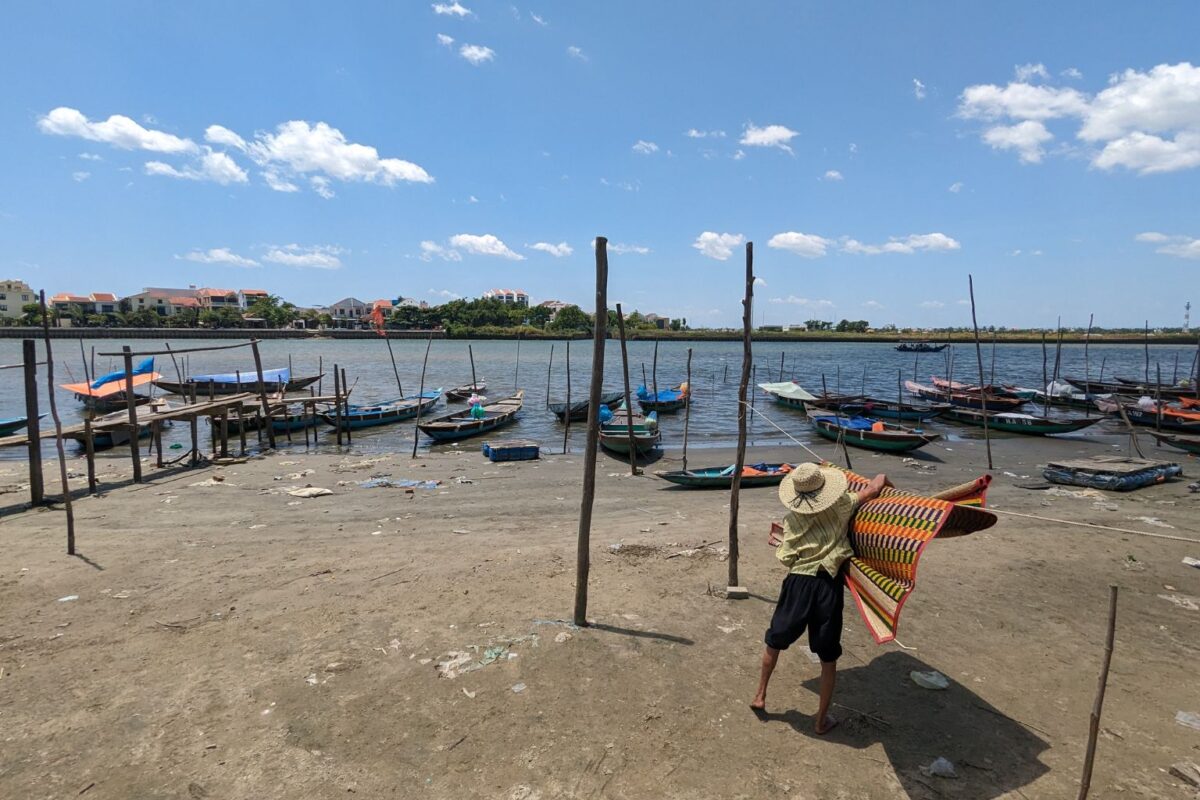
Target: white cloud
{"x":90,"y":157}
{"x":316,"y":257}
{"x":1025,"y":137}
{"x":538,"y":19}
{"x":219,"y":255}
{"x":693,"y":133}
{"x":793,"y":300}
{"x":1072,"y":73}
{"x":320,"y":185}
{"x":476,"y":53}
{"x":81,"y":176}
{"x":853,"y":147}
{"x":738,"y":155}
{"x":454,"y":9}
{"x":213,"y":166}
{"x":831,"y":175}
{"x":484,"y":245}
{"x":955,"y":187}
{"x":873,"y":304}
{"x":807,"y":245}
{"x":557,"y":250}
{"x":906,"y":245}
{"x":472,"y":199}
{"x":445,"y":294}
{"x":718,"y":245}
{"x":117,"y":130}
{"x":576,"y":52}
{"x":430,"y":250}
{"x":768,"y":136}
{"x":1178,"y":246}
{"x":1020,"y":101}
{"x":1148,"y":154}
{"x":279,"y":184}
{"x":644,"y":147}
{"x":1016,"y":252}
{"x":220,"y":135}
{"x":1026,"y":72}
{"x":918,"y":89}
{"x":445,"y":40}
{"x":616,"y":248}
{"x":759,"y":282}
{"x":932,"y":304}
{"x":297,"y":149}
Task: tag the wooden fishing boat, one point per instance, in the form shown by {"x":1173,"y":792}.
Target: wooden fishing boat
{"x":788,"y":393}
{"x":920,"y":347}
{"x":579,"y":410}
{"x":1188,"y":444}
{"x":112,"y":430}
{"x":871,"y":434}
{"x":965,"y":399}
{"x":1189,"y":402}
{"x":357,"y":417}
{"x":1100,"y":387}
{"x":1149,"y":419}
{"x":991,"y":389}
{"x":1065,"y":395}
{"x":722,"y":477}
{"x":460,"y":394}
{"x":903,"y":412}
{"x":13,"y":424}
{"x":667,"y":401}
{"x":1027,"y":424}
{"x":293,"y":422}
{"x":274,"y":382}
{"x":461,"y":425}
{"x":614,"y":434}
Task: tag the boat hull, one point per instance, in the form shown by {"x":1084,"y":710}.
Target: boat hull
{"x":879,"y":441}
{"x":1188,"y":444}
{"x":357,"y":420}
{"x":233,"y":387}
{"x":1027,"y":427}
{"x":712,"y":477}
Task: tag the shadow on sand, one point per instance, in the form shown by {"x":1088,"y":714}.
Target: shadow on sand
{"x":993,"y":754}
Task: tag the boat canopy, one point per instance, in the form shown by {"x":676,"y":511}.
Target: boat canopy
{"x":269,"y":376}
{"x":143,"y":368}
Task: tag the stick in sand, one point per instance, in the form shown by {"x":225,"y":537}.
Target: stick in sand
{"x":583,"y":543}
{"x":733,"y":587}
{"x":396,"y":372}
{"x":1087,"y":367}
{"x":687,"y":410}
{"x":837,"y":410}
{"x":1098,"y":704}
{"x":549,"y":367}
{"x":58,"y":440}
{"x":633,"y":470}
{"x":567,"y":415}
{"x":424,"y":364}
{"x":987,"y":437}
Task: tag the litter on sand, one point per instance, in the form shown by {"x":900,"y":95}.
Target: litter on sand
{"x":518,"y":688}
{"x":930,"y":680}
{"x":940,"y":768}
{"x":398,"y":483}
{"x":1188,"y":719}
{"x":68,"y":598}
{"x":310,"y":491}
{"x":1188,"y":561}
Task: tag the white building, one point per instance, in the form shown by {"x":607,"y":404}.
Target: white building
{"x":512,"y":297}
{"x":13,"y":295}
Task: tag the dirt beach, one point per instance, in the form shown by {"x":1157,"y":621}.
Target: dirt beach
{"x":226,"y":639}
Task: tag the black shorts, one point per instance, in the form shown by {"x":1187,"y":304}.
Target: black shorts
{"x":813,"y":602}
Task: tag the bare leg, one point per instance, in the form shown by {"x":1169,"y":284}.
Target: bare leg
{"x":825,"y":722}
{"x":769,"y":658}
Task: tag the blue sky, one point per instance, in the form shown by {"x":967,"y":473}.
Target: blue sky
{"x":875,"y":153}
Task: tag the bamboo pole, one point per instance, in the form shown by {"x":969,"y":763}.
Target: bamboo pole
{"x":474,"y":380}
{"x":1098,"y":704}
{"x":395,"y":371}
{"x":987,"y":436}
{"x":645,"y":381}
{"x":837,"y":413}
{"x":633,"y":470}
{"x":549,"y":367}
{"x":567,"y":414}
{"x":89,"y":446}
{"x":346,"y":406}
{"x":1175,"y":371}
{"x":781,"y":355}
{"x":740,"y":462}
{"x":337,"y":403}
{"x":1146,"y":349}
{"x":33,"y":426}
{"x":1046,"y":380}
{"x":1087,"y":365}
{"x":58,"y":439}
{"x":687,"y":410}
{"x":320,"y":373}
{"x":424,"y":364}
{"x":1158,"y":413}
{"x":992,"y":378}
{"x":127,"y":354}
{"x":262,"y":392}
{"x":599,"y":331}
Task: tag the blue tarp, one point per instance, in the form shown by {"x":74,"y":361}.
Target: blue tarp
{"x":250,"y":377}
{"x":850,"y":423}
{"x":664,"y":395}
{"x":143,"y":368}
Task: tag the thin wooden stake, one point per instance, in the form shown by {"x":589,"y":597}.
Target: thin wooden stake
{"x":58,"y":440}
{"x":633,"y":469}
{"x":262,"y":392}
{"x":1046,"y":380}
{"x":987,"y":437}
{"x":320,"y":373}
{"x":654,"y":370}
{"x":549,"y":368}
{"x":599,"y":334}
{"x":474,"y":380}
{"x":1087,"y":366}
{"x":1098,"y":704}
{"x":517,"y":367}
{"x":424,"y":364}
{"x":346,"y":407}
{"x":567,"y":416}
{"x":837,"y":412}
{"x":33,"y":427}
{"x":395,"y":371}
{"x":687,"y":410}
{"x":784,"y":353}
{"x":127,"y":354}
{"x":740,"y":462}
{"x":1146,"y":348}
{"x":337,"y":402}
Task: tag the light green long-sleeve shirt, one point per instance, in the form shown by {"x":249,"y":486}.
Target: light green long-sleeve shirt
{"x":812,"y":542}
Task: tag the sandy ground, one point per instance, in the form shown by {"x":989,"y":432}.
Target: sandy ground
{"x":229,"y":640}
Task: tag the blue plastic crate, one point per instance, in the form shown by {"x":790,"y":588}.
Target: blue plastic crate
{"x":512,"y":450}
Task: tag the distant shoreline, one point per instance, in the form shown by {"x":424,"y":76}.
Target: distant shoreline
{"x":798,"y":337}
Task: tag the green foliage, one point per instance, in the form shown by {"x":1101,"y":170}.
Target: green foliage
{"x":31,"y":314}
{"x":572,"y":318}
{"x":277,"y":312}
{"x":857,"y":326}
{"x":221,"y":318}
{"x":818,"y":325}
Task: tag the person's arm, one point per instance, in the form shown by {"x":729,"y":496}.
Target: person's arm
{"x":872,"y":489}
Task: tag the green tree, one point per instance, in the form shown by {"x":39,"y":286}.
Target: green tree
{"x":31,"y":314}
{"x":277,"y":312}
{"x":571,"y":318}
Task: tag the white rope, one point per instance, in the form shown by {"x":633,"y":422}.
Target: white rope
{"x":1096,"y":526}
{"x":781,"y":430}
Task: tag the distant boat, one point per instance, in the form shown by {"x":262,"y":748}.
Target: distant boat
{"x":903,"y":412}
{"x":722,"y":477}
{"x":1026,"y":424}
{"x":964,"y":399}
{"x":614,"y":433}
{"x":667,"y":401}
{"x":1189,"y":444}
{"x":788,"y":393}
{"x":106,"y":394}
{"x":871,"y":434}
{"x":460,"y":394}
{"x":275,"y":381}
{"x":357,"y":417}
{"x":920,"y":347}
{"x":461,"y":425}
{"x":579,"y":409}
{"x":13,"y":424}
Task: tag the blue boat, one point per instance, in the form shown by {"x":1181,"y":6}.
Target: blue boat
{"x":356,"y":417}
{"x":666,"y":401}
{"x":274,"y":382}
{"x":464,"y":424}
{"x":13,"y":424}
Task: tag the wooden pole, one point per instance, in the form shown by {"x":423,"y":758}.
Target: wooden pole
{"x":178,"y":374}
{"x":740,"y":462}
{"x":1175,"y":371}
{"x":93,"y":359}
{"x":32,"y":425}
{"x":992,"y":377}
{"x":1087,"y":365}
{"x":90,"y":448}
{"x":781,"y":356}
{"x":127,"y":354}
{"x":645,"y":382}
{"x":1158,"y":414}
{"x":1058,"y":350}
{"x":633,"y":469}
{"x":687,"y":410}
{"x":549,"y":367}
{"x":1046,"y":379}
{"x":1098,"y":704}
{"x":1103,"y":361}
{"x":583,"y":542}
{"x":346,"y":406}
{"x":424,"y":364}
{"x":517,"y":367}
{"x":1146,"y":348}
{"x":320,"y":373}
{"x":474,"y":380}
{"x":337,"y":403}
{"x":392,"y":355}
{"x":58,"y":440}
{"x":837,"y":413}
{"x":87,"y":375}
{"x":567,"y":415}
{"x":1196,"y":371}
{"x":654,"y":371}
{"x":262,"y":392}
{"x":987,"y":437}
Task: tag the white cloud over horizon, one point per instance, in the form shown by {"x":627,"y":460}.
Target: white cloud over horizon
{"x":718,"y":245}
{"x":560,"y":250}
{"x":906,"y":245}
{"x":118,"y":130}
{"x":218,"y":255}
{"x":485,"y":244}
{"x":305,"y":257}
{"x":1172,"y":245}
{"x":768,"y":136}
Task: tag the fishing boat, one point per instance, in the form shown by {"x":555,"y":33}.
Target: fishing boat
{"x":788,"y":393}
{"x":1189,"y":402}
{"x":1027,"y":424}
{"x":13,"y":424}
{"x":871,"y":434}
{"x":920,"y":347}
{"x":461,"y":424}
{"x":991,"y":389}
{"x":1189,"y":444}
{"x":667,"y":401}
{"x":275,"y":381}
{"x":357,"y":417}
{"x":614,"y":432}
{"x":963,"y":399}
{"x":460,"y":394}
{"x":722,"y":477}
{"x":903,"y":412}
{"x":1130,"y":386}
{"x":1149,"y":418}
{"x":1067,"y":396}
{"x":579,"y":410}
{"x":107,"y":393}
{"x":112,"y":430}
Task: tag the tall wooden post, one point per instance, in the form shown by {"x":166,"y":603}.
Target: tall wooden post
{"x":781,"y":355}
{"x":32,"y":424}
{"x":987,"y":437}
{"x":1087,"y":365}
{"x":392,"y":355}
{"x":567,"y":416}
{"x":734,"y":588}
{"x":262,"y":392}
{"x":599,"y":335}
{"x":424,"y":364}
{"x":1146,"y":348}
{"x":654,"y":371}
{"x":687,"y":410}
{"x":337,"y":403}
{"x":1098,"y":704}
{"x":346,"y":406}
{"x":58,"y":440}
{"x":549,"y":367}
{"x":134,"y":451}
{"x":633,"y":469}
{"x":474,"y":380}
{"x":1046,"y":380}
{"x":517,"y":367}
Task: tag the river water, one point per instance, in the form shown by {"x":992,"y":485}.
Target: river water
{"x":848,"y":367}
